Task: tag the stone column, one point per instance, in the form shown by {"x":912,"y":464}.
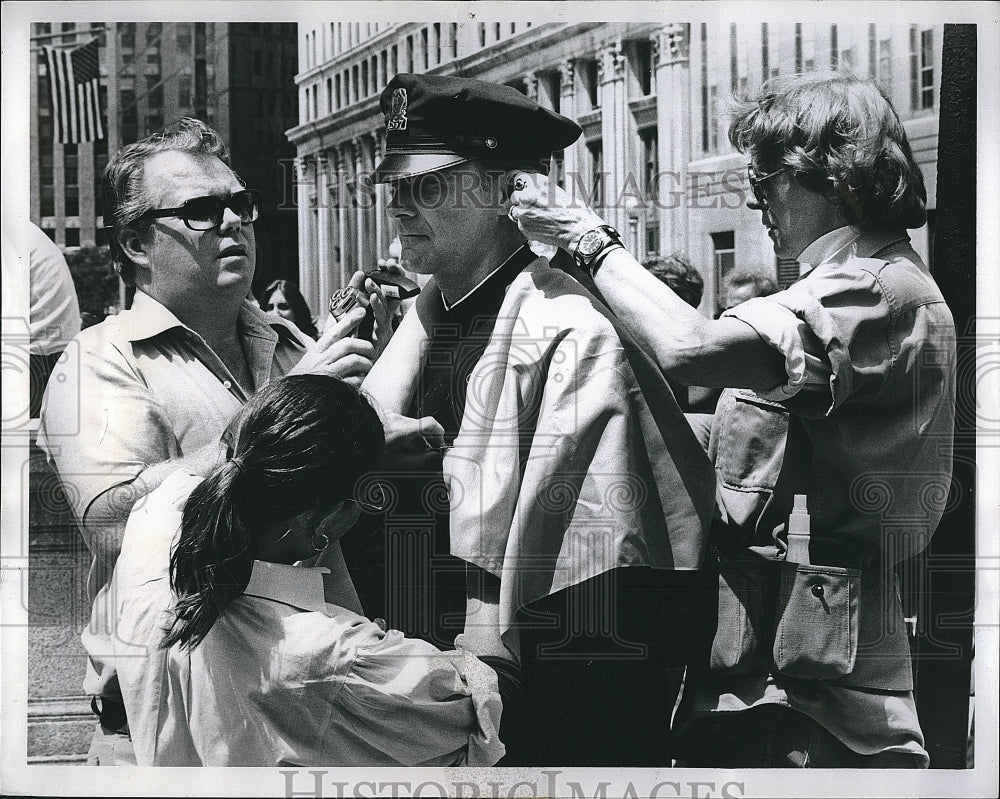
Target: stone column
{"x":381,"y":228}
{"x":306,"y":190}
{"x":359,"y":212}
{"x":324,"y":233}
{"x":614,"y":131}
{"x":342,"y":195}
{"x":531,"y":85}
{"x":673,"y":118}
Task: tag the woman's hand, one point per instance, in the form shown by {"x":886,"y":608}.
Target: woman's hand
{"x":545,"y":212}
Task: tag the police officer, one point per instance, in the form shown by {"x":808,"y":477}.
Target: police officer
{"x":572,"y":495}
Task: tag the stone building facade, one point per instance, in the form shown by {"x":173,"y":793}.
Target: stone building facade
{"x":650,"y":96}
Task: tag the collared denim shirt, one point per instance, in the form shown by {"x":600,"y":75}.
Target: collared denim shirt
{"x":869,"y":347}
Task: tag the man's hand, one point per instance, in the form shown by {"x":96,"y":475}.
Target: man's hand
{"x":544,"y":212}
{"x":381,"y":309}
{"x":338,"y":353}
{"x":411,"y":444}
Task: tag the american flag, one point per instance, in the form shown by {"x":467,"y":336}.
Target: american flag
{"x":73,"y":81}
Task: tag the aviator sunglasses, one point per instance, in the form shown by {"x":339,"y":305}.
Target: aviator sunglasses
{"x":205,"y":213}
{"x":756,"y":181}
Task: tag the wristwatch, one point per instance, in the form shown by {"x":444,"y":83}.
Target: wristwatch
{"x":594,"y":245}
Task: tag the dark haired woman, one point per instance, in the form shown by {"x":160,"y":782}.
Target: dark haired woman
{"x":282,"y":297}
{"x":232,"y":652}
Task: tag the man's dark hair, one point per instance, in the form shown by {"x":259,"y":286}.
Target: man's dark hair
{"x":676,"y":272}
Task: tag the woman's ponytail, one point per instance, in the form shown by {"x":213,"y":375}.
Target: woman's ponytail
{"x":212,"y":561}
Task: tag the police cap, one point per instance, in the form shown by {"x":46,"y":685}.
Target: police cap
{"x":433,"y":122}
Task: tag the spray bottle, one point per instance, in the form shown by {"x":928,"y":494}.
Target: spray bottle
{"x":798,"y":532}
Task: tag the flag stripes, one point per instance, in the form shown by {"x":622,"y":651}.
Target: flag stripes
{"x":73,"y":84}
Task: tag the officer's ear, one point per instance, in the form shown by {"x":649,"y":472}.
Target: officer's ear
{"x":134,"y":244}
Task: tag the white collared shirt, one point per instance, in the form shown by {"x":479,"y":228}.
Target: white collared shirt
{"x":283,"y":677}
{"x":829,"y":245}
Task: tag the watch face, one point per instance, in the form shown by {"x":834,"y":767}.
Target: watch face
{"x":591,"y":242}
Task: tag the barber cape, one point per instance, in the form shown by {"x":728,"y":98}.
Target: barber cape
{"x":571,"y":456}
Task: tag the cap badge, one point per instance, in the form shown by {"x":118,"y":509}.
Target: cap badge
{"x":396,"y":118}
{"x":491,"y":143}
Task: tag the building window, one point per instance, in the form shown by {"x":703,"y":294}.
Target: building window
{"x":72,"y":237}
{"x":595,"y":150}
{"x":885,"y":62}
{"x":364,"y":78}
{"x":798,"y":47}
{"x":734,"y":59}
{"x":713,"y":116}
{"x":329,"y":95}
{"x":650,"y":159}
{"x":425,"y":49}
{"x":652,"y":234}
{"x":337,"y":90}
{"x":922,"y":69}
{"x":395,"y":59}
{"x":482,"y":34}
{"x":438,"y":43}
{"x":834,"y":48}
{"x":704,"y":87}
{"x":724,"y":253}
{"x":642,"y":67}
{"x":184,"y":91}
{"x":591,"y":84}
{"x":454,"y":40}
{"x":765,"y":52}
{"x":409,"y":54}
{"x":551,"y":84}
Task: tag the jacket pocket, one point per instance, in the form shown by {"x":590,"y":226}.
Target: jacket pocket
{"x":742,"y":631}
{"x":816,"y":635}
{"x":748,"y":441}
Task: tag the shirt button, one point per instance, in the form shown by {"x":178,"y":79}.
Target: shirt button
{"x":227,"y":384}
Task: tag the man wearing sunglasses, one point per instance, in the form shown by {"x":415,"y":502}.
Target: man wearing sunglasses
{"x":149,"y":391}
{"x":810,"y":663}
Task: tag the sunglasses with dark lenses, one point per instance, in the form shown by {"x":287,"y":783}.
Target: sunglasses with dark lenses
{"x":756,"y":181}
{"x":205,"y":213}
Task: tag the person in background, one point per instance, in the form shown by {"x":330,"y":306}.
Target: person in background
{"x":54,"y":311}
{"x":283,"y":298}
{"x":685,"y":281}
{"x":234,"y":650}
{"x":810,"y":663}
{"x":741,"y":285}
{"x":150,"y":390}
{"x":677,"y":272}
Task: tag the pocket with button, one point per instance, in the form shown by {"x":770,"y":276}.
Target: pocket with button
{"x":816,"y":635}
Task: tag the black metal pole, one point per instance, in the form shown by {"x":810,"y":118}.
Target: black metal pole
{"x":943,"y":652}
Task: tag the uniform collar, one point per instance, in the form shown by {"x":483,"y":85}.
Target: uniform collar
{"x":298,"y":586}
{"x":513,"y":264}
{"x":148,"y":318}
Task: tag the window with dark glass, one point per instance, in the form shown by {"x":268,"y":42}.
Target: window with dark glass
{"x":724,"y":254}
{"x":595,"y":151}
